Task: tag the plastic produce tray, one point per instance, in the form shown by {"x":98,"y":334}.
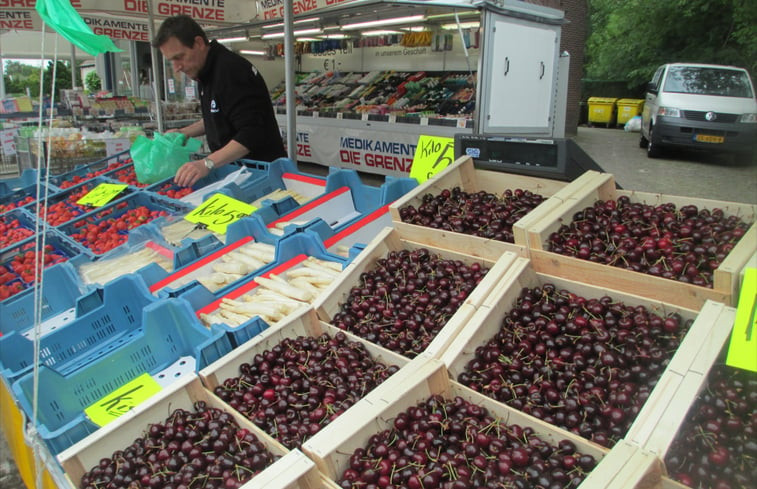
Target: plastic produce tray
{"x":168,"y":332}
{"x":157,"y":205}
{"x":102,"y":316}
{"x":10,"y":185}
{"x":91,"y":170}
{"x":15,"y":226}
{"x":25,"y":196}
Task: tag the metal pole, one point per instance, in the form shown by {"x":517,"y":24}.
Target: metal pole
{"x":73,"y":66}
{"x":289,"y":86}
{"x":156,"y":74}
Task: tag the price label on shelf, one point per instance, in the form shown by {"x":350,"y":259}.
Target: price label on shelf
{"x":742,"y":351}
{"x":219,"y":211}
{"x":432,"y":155}
{"x":102,"y":194}
{"x":122,"y":400}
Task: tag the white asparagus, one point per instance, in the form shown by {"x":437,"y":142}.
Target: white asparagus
{"x":237,"y":319}
{"x":277,"y":278}
{"x":310,"y":272}
{"x":285,"y":289}
{"x":317,"y":280}
{"x":251,"y":262}
{"x":223,"y":278}
{"x":329,"y":265}
{"x":301,"y":283}
{"x":260,"y":251}
{"x":230,"y":267}
{"x":251,"y":309}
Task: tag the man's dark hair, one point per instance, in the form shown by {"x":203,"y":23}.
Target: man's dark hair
{"x":182,"y":27}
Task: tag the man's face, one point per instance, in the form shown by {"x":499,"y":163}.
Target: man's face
{"x":188,"y":60}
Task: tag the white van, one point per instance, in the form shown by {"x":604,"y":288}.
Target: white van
{"x":710,"y":107}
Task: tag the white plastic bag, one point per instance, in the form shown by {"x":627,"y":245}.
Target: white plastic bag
{"x":633,"y":124}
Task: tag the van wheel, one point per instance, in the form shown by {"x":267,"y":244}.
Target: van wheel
{"x":643,"y":141}
{"x":653,"y":149}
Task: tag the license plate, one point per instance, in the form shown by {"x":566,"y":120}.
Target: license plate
{"x":706,"y":138}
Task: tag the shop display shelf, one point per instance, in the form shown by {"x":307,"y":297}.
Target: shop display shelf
{"x":91,"y":170}
{"x":693,"y":347}
{"x":329,"y":304}
{"x":107,"y":221}
{"x":626,"y":465}
{"x":164,"y":332}
{"x":303,"y":323}
{"x":725,"y":278}
{"x":25,"y":196}
{"x":62,"y":207}
{"x":289,"y":470}
{"x":17,"y":261}
{"x":15,"y":226}
{"x":291,"y":252}
{"x":100,"y":317}
{"x":463,"y":174}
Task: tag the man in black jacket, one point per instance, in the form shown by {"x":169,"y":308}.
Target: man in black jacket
{"x":237,"y":115}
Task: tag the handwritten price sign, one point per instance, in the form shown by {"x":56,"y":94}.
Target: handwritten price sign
{"x":432,"y":155}
{"x":122,"y":400}
{"x":102,"y":194}
{"x":742,"y":351}
{"x":219,"y":211}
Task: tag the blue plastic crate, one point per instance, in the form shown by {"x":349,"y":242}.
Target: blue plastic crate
{"x":20,"y":220}
{"x":114,"y":210}
{"x":61,"y":247}
{"x":60,"y":290}
{"x":25,"y":196}
{"x":90,"y":170}
{"x":69,"y":196}
{"x":102,"y":317}
{"x":10,"y":185}
{"x":169,"y":331}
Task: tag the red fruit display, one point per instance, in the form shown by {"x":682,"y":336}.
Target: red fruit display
{"x":170,"y":189}
{"x":300,"y":385}
{"x":205,"y":448}
{"x":454,"y":444}
{"x":585,"y":365}
{"x":481,"y":214}
{"x":77,"y":179}
{"x":16,"y":204}
{"x":128,"y":175}
{"x":717,"y":444}
{"x":101,"y":234}
{"x":11,"y":231}
{"x":66,"y":210}
{"x":407,"y":298}
{"x":685,"y":244}
{"x":18,"y":274}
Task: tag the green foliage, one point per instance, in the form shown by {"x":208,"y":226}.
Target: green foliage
{"x":629,"y":39}
{"x":92,"y":82}
{"x":20,"y":76}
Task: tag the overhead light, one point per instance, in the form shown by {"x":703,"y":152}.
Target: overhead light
{"x":466,"y":13}
{"x":253,"y":53}
{"x":335,"y":36}
{"x":378,"y":33}
{"x":332,"y":28}
{"x":415,"y":28}
{"x":303,"y":32}
{"x":376,"y":23}
{"x":301,"y":21}
{"x":306,"y":39}
{"x":233,"y":39}
{"x":463,"y":25}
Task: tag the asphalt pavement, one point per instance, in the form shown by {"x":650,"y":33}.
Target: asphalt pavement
{"x":678,"y":172}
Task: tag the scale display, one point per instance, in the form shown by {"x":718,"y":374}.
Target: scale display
{"x":558,"y":159}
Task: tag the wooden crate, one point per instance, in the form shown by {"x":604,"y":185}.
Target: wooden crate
{"x":697,"y":351}
{"x":304,"y":323}
{"x":726,"y":281}
{"x":330,"y":301}
{"x":291,"y":471}
{"x":463,"y":174}
{"x":332,"y":447}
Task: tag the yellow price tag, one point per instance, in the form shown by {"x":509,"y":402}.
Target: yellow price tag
{"x":122,"y":400}
{"x":432,"y":155}
{"x":102,"y":194}
{"x":219,"y":211}
{"x":742,"y":351}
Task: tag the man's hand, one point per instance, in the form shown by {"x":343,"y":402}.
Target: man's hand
{"x":190,"y":172}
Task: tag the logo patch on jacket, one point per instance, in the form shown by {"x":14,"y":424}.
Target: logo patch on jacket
{"x":214,"y":107}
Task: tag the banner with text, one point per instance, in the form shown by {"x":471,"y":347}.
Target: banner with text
{"x":274,"y":9}
{"x":114,"y":28}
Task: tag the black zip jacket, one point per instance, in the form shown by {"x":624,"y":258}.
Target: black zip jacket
{"x":236,"y":105}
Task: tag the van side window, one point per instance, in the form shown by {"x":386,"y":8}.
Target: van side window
{"x":658,"y":76}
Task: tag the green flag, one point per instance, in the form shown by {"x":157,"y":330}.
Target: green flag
{"x":61,"y":16}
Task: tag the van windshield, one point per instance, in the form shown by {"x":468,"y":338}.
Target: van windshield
{"x":708,"y":81}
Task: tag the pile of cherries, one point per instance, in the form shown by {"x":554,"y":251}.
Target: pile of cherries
{"x":685,"y":244}
{"x":301,"y":384}
{"x":479,"y":214}
{"x":716,"y":446}
{"x":585,"y":365}
{"x":202,"y":449}
{"x":406,"y":298}
{"x":455,"y":444}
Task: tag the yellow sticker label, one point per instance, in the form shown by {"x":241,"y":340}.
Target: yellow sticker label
{"x":219,"y":211}
{"x":742,"y":351}
{"x":432,"y":155}
{"x":102,"y":194}
{"x":122,"y":400}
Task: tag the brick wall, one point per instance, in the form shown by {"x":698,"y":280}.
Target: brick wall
{"x":572,"y":40}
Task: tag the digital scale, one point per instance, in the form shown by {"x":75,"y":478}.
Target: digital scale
{"x":558,"y":159}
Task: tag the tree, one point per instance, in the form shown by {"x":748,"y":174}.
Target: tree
{"x":20,"y":76}
{"x":629,"y":39}
{"x":92,"y":82}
